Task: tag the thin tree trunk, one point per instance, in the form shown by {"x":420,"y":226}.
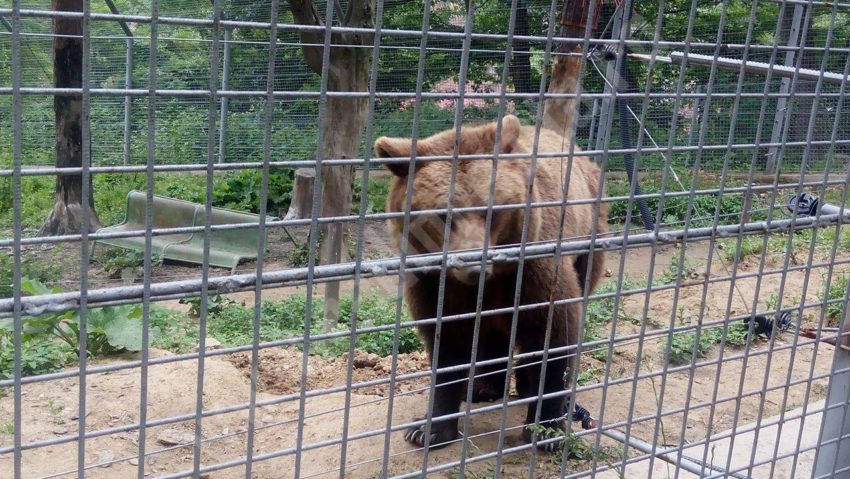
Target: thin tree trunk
{"x":342,"y":124}
{"x":66,"y":217}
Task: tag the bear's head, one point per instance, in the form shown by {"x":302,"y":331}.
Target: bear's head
{"x":431,"y":189}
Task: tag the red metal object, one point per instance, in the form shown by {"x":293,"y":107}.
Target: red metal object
{"x":576,"y":12}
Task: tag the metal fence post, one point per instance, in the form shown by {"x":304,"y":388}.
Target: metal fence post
{"x":225,"y":77}
{"x":695,"y":123}
{"x":610,"y":86}
{"x":794,"y":40}
{"x":835,"y":456}
{"x":128,"y":100}
{"x":594,"y":114}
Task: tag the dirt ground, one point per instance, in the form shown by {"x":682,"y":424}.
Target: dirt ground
{"x":741,"y":390}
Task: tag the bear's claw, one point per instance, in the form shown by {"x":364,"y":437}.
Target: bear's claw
{"x":438,"y":438}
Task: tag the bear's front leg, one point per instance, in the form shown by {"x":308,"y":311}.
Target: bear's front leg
{"x":449,"y":387}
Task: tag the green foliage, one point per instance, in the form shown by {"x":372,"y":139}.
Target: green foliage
{"x":688,"y":270}
{"x":684,"y":345}
{"x":675,"y":208}
{"x":837,"y":289}
{"x":600,"y":312}
{"x":39,"y":355}
{"x":39,"y":267}
{"x":115,"y":260}
{"x":750,"y":245}
{"x":376,"y":195}
{"x":109,"y":330}
{"x":232,"y":324}
{"x":177,"y":333}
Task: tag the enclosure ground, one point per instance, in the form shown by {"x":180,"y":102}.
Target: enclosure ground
{"x":113,"y":398}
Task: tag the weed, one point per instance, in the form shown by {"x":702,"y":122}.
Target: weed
{"x":54,"y":407}
{"x":749,"y":246}
{"x":116,"y":260}
{"x":39,"y":267}
{"x":588,"y":375}
{"x":835,"y":296}
{"x":177,"y":333}
{"x":39,"y":355}
{"x":215,"y":305}
{"x":7,"y":428}
{"x":684,"y":345}
{"x":688,"y":270}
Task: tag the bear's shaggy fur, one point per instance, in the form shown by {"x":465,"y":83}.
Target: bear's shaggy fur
{"x":431,"y":183}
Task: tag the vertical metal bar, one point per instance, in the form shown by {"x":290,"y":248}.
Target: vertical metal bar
{"x":716,"y":216}
{"x":361,"y":224}
{"x":128,"y":100}
{"x":488,"y":221}
{"x":810,"y":259}
{"x":650,"y":270}
{"x":594,"y":116}
{"x":17,"y":230}
{"x":762,"y":260}
{"x":794,"y":40}
{"x":670,"y":144}
{"x":314,"y":231}
{"x":405,"y":230}
{"x":84,"y":230}
{"x":261,"y":229}
{"x":611,"y":76}
{"x":571,"y":401}
{"x":225,"y":80}
{"x":447,"y":229}
{"x":739,"y":243}
{"x":205,"y":261}
{"x":831,"y":269}
{"x":148,"y":260}
{"x":836,"y":421}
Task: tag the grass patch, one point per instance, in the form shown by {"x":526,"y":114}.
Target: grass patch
{"x":684,"y":346}
{"x":835,"y":296}
{"x":232,"y":324}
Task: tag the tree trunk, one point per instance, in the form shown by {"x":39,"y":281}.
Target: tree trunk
{"x":301,"y":205}
{"x":342,"y":124}
{"x":343,"y":127}
{"x":520,"y":67}
{"x":66,"y":217}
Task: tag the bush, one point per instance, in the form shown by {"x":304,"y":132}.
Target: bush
{"x":109,"y":330}
{"x":39,"y":355}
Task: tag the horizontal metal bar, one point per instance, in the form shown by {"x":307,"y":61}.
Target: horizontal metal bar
{"x":373,"y":329}
{"x":477,"y":410}
{"x":294,"y":27}
{"x":36,"y":305}
{"x":301,"y":94}
{"x":392,"y":215}
{"x":752,"y":67}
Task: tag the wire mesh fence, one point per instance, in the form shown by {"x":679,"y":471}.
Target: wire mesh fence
{"x":522,"y":247}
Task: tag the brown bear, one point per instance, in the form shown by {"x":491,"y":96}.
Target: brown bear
{"x":431,"y":183}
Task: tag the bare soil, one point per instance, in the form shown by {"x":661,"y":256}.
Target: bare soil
{"x":772,"y":378}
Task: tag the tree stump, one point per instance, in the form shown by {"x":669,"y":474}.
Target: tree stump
{"x":301,"y":206}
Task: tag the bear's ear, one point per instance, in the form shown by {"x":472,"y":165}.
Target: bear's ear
{"x":397,"y":148}
{"x":510,"y":132}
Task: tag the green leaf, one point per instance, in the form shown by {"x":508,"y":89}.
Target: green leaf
{"x":124,"y":333}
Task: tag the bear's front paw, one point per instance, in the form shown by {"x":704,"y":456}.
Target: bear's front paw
{"x":545,"y":432}
{"x":440,"y":436}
